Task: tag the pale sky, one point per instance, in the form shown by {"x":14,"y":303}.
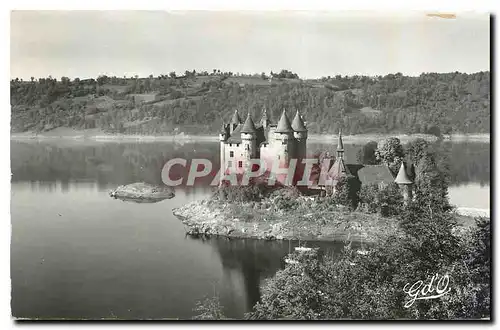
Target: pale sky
{"x":313,"y":44}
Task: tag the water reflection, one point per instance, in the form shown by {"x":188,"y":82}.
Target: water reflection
{"x":258,"y":259}
{"x":121,"y":163}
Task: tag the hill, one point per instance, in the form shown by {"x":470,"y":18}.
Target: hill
{"x":197,"y":103}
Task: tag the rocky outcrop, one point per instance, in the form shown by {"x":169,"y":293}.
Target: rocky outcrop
{"x":208,"y":217}
{"x":142,"y":192}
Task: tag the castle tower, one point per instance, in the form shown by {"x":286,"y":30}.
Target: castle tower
{"x":283,"y":136}
{"x":338,"y":171}
{"x":405,"y":184}
{"x":249,"y":142}
{"x":235,"y":121}
{"x":223,"y":136}
{"x":340,"y":146}
{"x":265,"y":121}
{"x":300,"y":135}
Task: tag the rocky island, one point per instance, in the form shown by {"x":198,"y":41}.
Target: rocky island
{"x":285,"y":214}
{"x":261,"y":221}
{"x":142,"y":192}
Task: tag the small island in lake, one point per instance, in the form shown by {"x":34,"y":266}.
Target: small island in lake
{"x":141,"y":192}
{"x":361,"y":202}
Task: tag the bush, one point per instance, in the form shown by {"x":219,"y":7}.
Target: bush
{"x":368,"y":198}
{"x":285,"y":198}
{"x":346,"y":192}
{"x":391,"y":200}
{"x":209,"y":309}
{"x":242,"y":194}
{"x":387,"y":201}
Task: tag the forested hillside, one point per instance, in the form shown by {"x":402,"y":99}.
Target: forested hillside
{"x":198,"y":102}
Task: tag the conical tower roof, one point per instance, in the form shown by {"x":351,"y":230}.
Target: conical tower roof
{"x":340,"y":145}
{"x":265,"y":118}
{"x":298,"y":124}
{"x":223,"y":129}
{"x":402,"y":177}
{"x":338,"y":169}
{"x":249,"y":126}
{"x":284,"y":124}
{"x":236,"y":118}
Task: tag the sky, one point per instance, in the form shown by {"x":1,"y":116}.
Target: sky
{"x":312,"y":44}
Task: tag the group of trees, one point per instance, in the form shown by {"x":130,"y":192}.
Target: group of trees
{"x":377,"y":284}
{"x":431,"y":103}
{"x":426,"y":164}
{"x":372,"y":285}
{"x":285,"y":74}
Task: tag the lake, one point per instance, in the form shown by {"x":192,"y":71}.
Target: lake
{"x":77,"y":253}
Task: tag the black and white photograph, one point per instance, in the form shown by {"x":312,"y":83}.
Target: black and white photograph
{"x":201,"y":165}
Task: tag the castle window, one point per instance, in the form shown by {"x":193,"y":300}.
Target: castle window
{"x":247,"y":147}
{"x":229,"y":164}
{"x":240,"y":164}
{"x":231,"y":154}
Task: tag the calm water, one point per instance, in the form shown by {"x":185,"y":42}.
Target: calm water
{"x":77,"y":253}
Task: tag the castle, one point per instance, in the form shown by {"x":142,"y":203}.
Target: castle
{"x":275,"y":144}
{"x":240,"y":142}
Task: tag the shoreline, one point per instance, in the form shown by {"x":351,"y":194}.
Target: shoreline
{"x":315,"y":138}
{"x":473,"y":212}
{"x":208,"y":218}
{"x":203,"y":220}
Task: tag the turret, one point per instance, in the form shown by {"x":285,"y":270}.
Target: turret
{"x":249,"y":141}
{"x":284,"y":126}
{"x":298,"y":126}
{"x":283,"y":136}
{"x":340,"y":146}
{"x":300,"y":134}
{"x":235,"y":121}
{"x":405,"y":184}
{"x":265,"y":121}
{"x":338,"y":171}
{"x":223,"y":133}
{"x":223,"y":136}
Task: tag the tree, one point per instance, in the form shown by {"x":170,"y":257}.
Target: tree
{"x":367,"y":154}
{"x":209,"y":309}
{"x":390,"y":152}
{"x":368,"y":198}
{"x":346,"y":192}
{"x":416,"y":149}
{"x":390,"y":200}
{"x":172,"y":74}
{"x":101,"y":80}
{"x":431,"y":187}
{"x":371,"y":285}
{"x":387,"y":200}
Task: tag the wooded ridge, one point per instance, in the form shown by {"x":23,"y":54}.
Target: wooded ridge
{"x":198,"y":102}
